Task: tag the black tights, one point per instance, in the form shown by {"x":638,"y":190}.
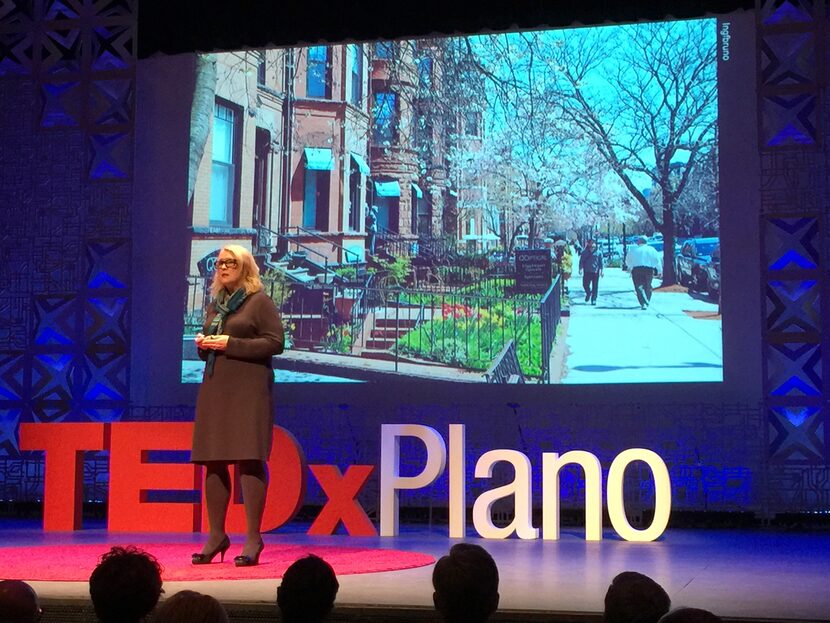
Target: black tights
{"x":254,"y":480}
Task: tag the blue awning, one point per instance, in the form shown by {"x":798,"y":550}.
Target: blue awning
{"x":318,"y":159}
{"x":388,"y":189}
{"x":361,"y":164}
{"x":418,"y":192}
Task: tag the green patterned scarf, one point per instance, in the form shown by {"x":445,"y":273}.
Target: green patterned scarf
{"x":225,"y":305}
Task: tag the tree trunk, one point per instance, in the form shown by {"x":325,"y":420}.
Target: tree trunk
{"x":669,"y":277}
{"x":201,"y":114}
{"x":531,"y":231}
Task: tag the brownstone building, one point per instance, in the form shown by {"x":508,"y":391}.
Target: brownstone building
{"x":285,"y":163}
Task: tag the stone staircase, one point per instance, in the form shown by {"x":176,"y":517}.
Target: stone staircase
{"x":385,"y":325}
{"x":298,"y":274}
{"x":298,"y":268}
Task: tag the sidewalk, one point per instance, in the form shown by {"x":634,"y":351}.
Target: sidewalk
{"x":617,"y":342}
{"x":303,"y":366}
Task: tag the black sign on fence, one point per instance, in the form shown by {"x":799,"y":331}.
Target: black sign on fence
{"x":533,"y":274}
{"x":207,"y":264}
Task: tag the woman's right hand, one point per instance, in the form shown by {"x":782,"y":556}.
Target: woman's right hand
{"x":200,"y":337}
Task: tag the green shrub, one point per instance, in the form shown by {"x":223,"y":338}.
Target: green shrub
{"x":276,"y":285}
{"x":497,"y":287}
{"x":397,"y":270}
{"x":347,"y":272}
{"x":338,"y":339}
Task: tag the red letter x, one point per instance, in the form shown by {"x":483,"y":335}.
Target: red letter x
{"x":342,"y":506}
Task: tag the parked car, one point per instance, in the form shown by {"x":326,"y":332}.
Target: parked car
{"x":711,"y":270}
{"x":694,"y":254}
{"x":658,"y":244}
{"x":611,"y":253}
{"x":615,"y":256}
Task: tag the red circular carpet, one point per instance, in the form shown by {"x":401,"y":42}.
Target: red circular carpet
{"x":74,"y":563}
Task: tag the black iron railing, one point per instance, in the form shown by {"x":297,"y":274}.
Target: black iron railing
{"x":344,"y":255}
{"x":393,"y":243}
{"x":367,"y":298}
{"x":506,"y":367}
{"x":437,"y":249}
{"x":466,"y":328}
{"x":285,"y":244}
{"x":550,"y":311}
{"x":195,"y":305}
{"x":461,"y":278}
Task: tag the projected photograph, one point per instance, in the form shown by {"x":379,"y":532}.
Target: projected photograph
{"x":532,"y":207}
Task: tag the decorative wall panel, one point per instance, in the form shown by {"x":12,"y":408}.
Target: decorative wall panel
{"x":797,"y":434}
{"x":788,"y":58}
{"x":776,"y":12}
{"x":792,"y":83}
{"x":794,"y":307}
{"x":789,"y":120}
{"x":67,"y":85}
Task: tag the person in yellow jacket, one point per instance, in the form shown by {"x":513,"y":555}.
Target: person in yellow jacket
{"x":566,"y":262}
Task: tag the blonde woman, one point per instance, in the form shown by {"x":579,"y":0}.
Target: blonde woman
{"x":234,"y":415}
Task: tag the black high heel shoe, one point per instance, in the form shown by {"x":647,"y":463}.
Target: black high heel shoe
{"x":249,"y":561}
{"x":207,"y":557}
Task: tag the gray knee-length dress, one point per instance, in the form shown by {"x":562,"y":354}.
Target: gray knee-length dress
{"x":234,"y":411}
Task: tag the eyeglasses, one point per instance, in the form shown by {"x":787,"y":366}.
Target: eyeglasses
{"x":231,"y":263}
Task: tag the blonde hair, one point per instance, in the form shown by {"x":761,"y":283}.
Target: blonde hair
{"x":250,"y":271}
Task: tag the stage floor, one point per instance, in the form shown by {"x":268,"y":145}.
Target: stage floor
{"x":758,"y":574}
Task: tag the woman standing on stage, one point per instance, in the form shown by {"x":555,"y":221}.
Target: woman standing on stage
{"x":234,"y":416}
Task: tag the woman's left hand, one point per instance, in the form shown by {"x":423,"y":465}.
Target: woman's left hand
{"x":215,"y":342}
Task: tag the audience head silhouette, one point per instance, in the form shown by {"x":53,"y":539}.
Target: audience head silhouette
{"x":635,"y":598}
{"x":18,"y":602}
{"x":190,"y":607}
{"x":125,"y":586}
{"x":466,"y":584}
{"x":690,"y":615}
{"x":307,"y":591}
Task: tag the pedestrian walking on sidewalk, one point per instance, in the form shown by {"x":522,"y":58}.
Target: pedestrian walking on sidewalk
{"x":565,"y":261}
{"x":644,"y":262}
{"x":590,"y":267}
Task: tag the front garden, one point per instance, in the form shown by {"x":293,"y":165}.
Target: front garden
{"x":469,"y":331}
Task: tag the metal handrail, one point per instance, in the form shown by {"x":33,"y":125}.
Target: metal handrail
{"x":360,"y":309}
{"x":290,"y":240}
{"x":388,"y":232}
{"x":438,"y":248}
{"x":334,"y":245}
{"x":393,"y":242}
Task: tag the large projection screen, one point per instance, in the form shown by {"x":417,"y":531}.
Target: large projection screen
{"x":421,"y":209}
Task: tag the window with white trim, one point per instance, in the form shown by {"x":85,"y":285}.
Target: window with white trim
{"x":225,"y":160}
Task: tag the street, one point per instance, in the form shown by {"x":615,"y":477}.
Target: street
{"x":677,"y":339}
